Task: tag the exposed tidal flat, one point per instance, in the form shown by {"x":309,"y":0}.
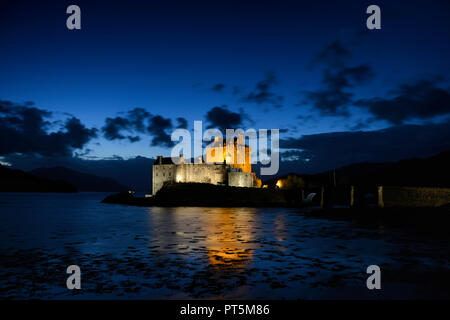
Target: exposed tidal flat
{"x":212,"y":253}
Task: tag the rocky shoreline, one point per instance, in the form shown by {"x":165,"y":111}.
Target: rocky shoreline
{"x":206,"y":195}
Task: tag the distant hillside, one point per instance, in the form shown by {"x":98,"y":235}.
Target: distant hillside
{"x":135,"y":173}
{"x":19,"y":181}
{"x":428,"y":172}
{"x":82,"y":181}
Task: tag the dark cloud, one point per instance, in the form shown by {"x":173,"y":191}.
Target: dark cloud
{"x":245,"y":117}
{"x":113,"y":127}
{"x":334,"y":55}
{"x":236,"y":90}
{"x":140,"y":121}
{"x":137,"y":118}
{"x":133,"y":121}
{"x":159,"y":128}
{"x":262,"y":93}
{"x":420,"y":100}
{"x":134,"y":138}
{"x":182,"y":123}
{"x":334,"y":97}
{"x":218,"y":87}
{"x":25,"y":129}
{"x":76,"y":135}
{"x":222,"y":118}
{"x":329,"y":150}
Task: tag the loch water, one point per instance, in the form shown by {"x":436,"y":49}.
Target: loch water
{"x":129,"y":252}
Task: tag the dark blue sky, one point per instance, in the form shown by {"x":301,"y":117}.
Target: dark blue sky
{"x":318,"y":68}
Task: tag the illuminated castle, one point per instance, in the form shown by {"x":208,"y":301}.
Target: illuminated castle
{"x":233,"y":153}
{"x":228,"y":162}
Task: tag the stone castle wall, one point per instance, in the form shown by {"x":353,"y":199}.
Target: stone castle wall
{"x":162,"y":173}
{"x":188,"y":172}
{"x":201,"y":172}
{"x":240,"y":179}
{"x":412,"y":197}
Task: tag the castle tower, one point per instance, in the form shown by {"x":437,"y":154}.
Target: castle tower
{"x":233,"y":152}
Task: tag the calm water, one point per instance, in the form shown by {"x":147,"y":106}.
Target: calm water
{"x":177,"y":253}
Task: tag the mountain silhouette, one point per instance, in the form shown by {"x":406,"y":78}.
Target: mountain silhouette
{"x":416,"y":172}
{"x":82,"y":181}
{"x":428,"y":172}
{"x":18,"y":181}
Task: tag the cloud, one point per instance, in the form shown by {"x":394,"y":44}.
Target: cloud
{"x":113,"y":127}
{"x":236,"y":90}
{"x":222,"y":118}
{"x":140,"y":121}
{"x":159,"y":128}
{"x":137,"y":117}
{"x":333,"y":98}
{"x":218,"y":87}
{"x":134,"y":138}
{"x":335,"y":149}
{"x":333,"y":55}
{"x":292,"y":155}
{"x":25,"y":129}
{"x":76,"y":135}
{"x":262,"y":92}
{"x":134,"y":121}
{"x":182,"y":123}
{"x":420,"y":100}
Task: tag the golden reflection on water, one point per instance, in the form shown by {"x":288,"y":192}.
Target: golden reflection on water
{"x":230,"y":239}
{"x":224,"y":234}
{"x":280,"y":228}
